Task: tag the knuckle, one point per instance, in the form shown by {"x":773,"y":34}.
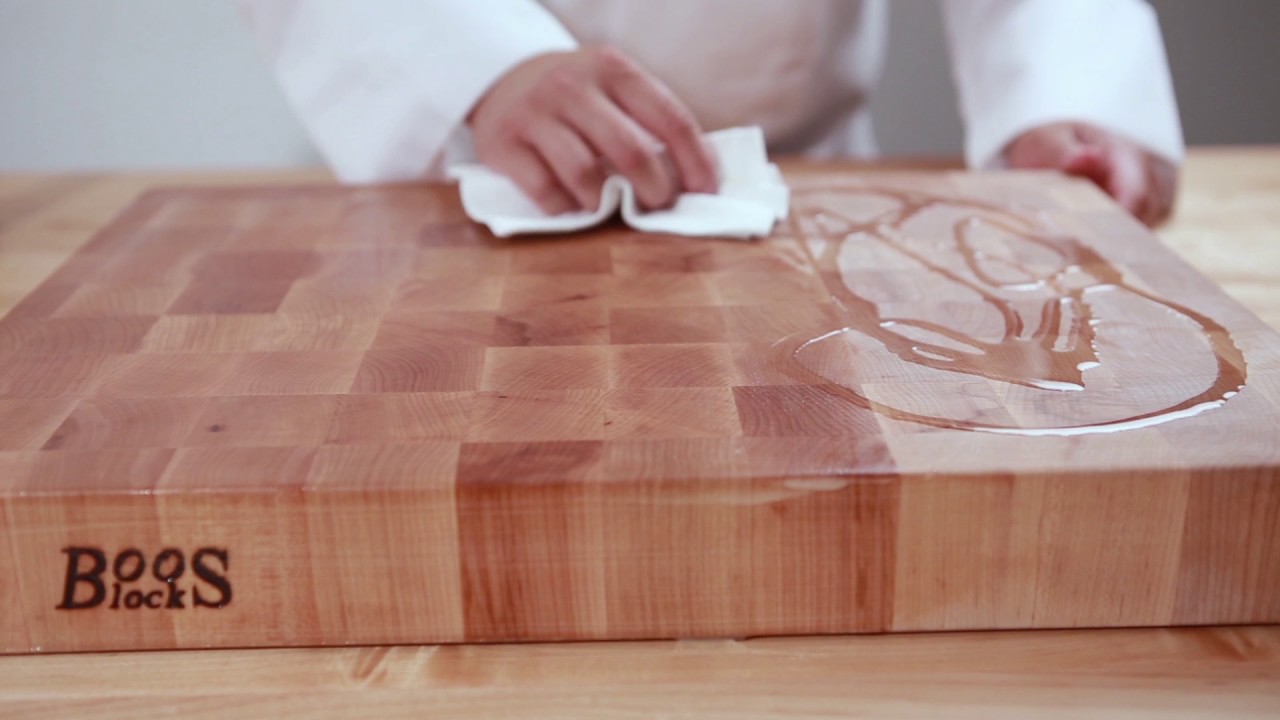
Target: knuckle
{"x":612,"y":61}
{"x":582,"y":175}
{"x":564,"y":82}
{"x":680,"y":125}
{"x":632,"y":158}
{"x":543,"y":189}
{"x":515,"y":125}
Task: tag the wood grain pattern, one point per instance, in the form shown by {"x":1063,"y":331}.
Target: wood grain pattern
{"x":1219,"y":673}
{"x":401,"y":429}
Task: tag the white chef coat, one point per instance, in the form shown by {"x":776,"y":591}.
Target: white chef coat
{"x":383,"y":86}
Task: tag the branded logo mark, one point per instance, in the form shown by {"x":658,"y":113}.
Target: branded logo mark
{"x":129,"y":585}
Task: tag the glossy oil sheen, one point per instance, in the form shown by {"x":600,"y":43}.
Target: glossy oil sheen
{"x":1052,"y":352}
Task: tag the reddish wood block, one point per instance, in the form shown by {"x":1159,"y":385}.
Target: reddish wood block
{"x":265,"y":421}
{"x":570,"y":323}
{"x":288,"y":225}
{"x":13,"y":623}
{"x":454,"y":292}
{"x":449,"y":262}
{"x":766,"y":288}
{"x":522,"y":292}
{"x":170,"y":210}
{"x":636,"y":255}
{"x":662,"y":289}
{"x":450,"y":234}
{"x":666,"y":537}
{"x":529,"y":462}
{"x":73,"y":336}
{"x":167,"y":375}
{"x":763,"y":409}
{"x":246,"y":282}
{"x":393,"y":217}
{"x":412,"y":328}
{"x":508,"y":586}
{"x":677,"y":458}
{"x":776,"y":256}
{"x":44,"y":301}
{"x":44,"y":529}
{"x":401,"y":417}
{"x":127,"y":422}
{"x":426,"y":464}
{"x":108,"y":300}
{"x":632,"y":326}
{"x":545,"y":368}
{"x":246,"y":469}
{"x":364,"y":265}
{"x":50,"y":377}
{"x":766,"y":325}
{"x":426,"y":368}
{"x":255,"y":332}
{"x":652,"y":412}
{"x":538,"y":415}
{"x":29,"y":422}
{"x":671,"y":366}
{"x":326,"y":299}
{"x":363,"y":499}
{"x":160,"y":256}
{"x":292,"y":373}
{"x":852,"y":454}
{"x":107,"y":471}
{"x":560,"y":256}
{"x":1228,"y":557}
{"x":757,"y":364}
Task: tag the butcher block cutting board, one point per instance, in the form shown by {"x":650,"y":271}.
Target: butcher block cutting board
{"x":315,"y":415}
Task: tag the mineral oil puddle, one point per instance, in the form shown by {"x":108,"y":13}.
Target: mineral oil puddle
{"x":1049,"y":353}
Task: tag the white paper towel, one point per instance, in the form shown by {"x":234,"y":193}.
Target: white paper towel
{"x":752,"y":197}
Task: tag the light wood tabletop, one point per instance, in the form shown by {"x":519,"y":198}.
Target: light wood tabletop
{"x":1226,"y":226}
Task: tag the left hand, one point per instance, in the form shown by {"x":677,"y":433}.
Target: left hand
{"x":1142,"y":182}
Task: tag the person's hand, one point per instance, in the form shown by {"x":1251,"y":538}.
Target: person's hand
{"x":1142,"y":182}
{"x":558,"y":124}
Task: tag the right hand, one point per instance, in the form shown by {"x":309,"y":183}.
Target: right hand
{"x":558,"y":124}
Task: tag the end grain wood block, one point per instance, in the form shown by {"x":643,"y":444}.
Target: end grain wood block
{"x":310,"y":416}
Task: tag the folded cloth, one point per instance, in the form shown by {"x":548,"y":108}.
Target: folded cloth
{"x":752,"y":197}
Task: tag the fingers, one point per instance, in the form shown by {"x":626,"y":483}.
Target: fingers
{"x":1141,"y":182}
{"x":526,"y":169}
{"x":574,"y":164}
{"x":1163,"y":182}
{"x":1066,"y":147}
{"x":558,"y":122}
{"x":1137,"y":180}
{"x":656,"y":109}
{"x":1051,"y":147}
{"x":1089,"y":163}
{"x":627,"y":147}
{"x":1127,"y":182}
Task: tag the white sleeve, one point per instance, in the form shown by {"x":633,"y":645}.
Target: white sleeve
{"x":1019,"y":64}
{"x":381,"y":86}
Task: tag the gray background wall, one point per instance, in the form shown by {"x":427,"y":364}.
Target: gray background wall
{"x":178,"y":83}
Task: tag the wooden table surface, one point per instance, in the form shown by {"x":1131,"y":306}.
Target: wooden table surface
{"x":1226,"y":226}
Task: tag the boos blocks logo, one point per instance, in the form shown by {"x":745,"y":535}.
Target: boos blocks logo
{"x":129,"y":580}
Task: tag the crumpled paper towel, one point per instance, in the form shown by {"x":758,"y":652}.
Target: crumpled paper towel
{"x":752,"y":197}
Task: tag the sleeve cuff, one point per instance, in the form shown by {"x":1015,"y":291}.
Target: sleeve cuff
{"x":381,"y":88}
{"x":1019,"y":65}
